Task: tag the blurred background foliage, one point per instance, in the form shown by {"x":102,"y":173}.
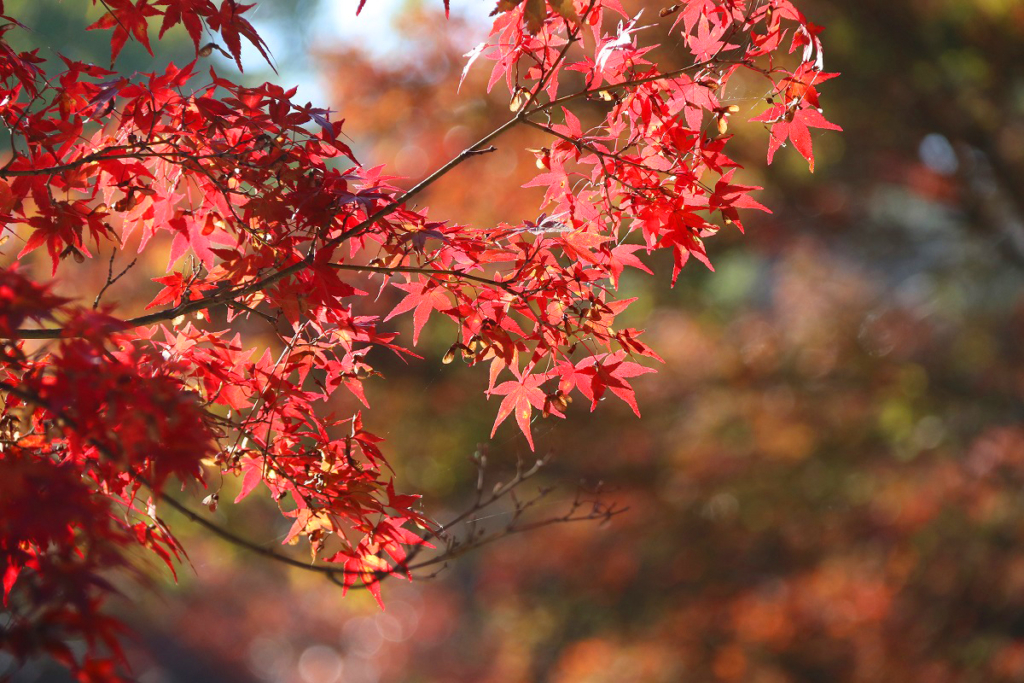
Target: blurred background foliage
{"x":826,"y":484}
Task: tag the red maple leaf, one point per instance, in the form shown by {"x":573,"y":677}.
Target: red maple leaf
{"x":596,"y":374}
{"x":787,"y":123}
{"x":691,"y":12}
{"x":522,"y":395}
{"x":708,"y":42}
{"x":580,"y":244}
{"x":252,"y":476}
{"x":187,"y":12}
{"x":727,"y":198}
{"x":126,"y":19}
{"x":620,"y":257}
{"x":229,"y":21}
{"x":175,"y":286}
{"x":801,"y":88}
{"x":425,"y":296}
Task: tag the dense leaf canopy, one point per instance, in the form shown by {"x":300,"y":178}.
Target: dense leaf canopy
{"x":275,"y":242}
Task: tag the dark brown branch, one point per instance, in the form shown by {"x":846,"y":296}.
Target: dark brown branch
{"x":107,"y":155}
{"x":111,"y":278}
{"x":227,"y":294}
{"x":423,"y":271}
{"x":589,"y":92}
{"x":454,"y":546}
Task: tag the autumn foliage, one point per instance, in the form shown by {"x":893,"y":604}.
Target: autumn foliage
{"x":271,"y":228}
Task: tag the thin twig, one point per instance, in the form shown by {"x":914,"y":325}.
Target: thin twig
{"x":111,"y":278}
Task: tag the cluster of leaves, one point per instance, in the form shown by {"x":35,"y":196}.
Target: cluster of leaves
{"x":269,"y":221}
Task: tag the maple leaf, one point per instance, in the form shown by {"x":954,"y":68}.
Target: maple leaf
{"x":21,"y":299}
{"x":621,"y":256}
{"x":596,"y":374}
{"x":522,"y":395}
{"x":390,"y":537}
{"x":793,"y":125}
{"x":580,"y":244}
{"x":403,"y":504}
{"x":471,"y":57}
{"x":535,"y":11}
{"x":727,"y":198}
{"x":199,"y":236}
{"x":175,"y":286}
{"x":229,"y":21}
{"x":694,"y":99}
{"x":127,"y":20}
{"x":623,"y":40}
{"x":425,"y":296}
{"x":364,"y":565}
{"x":691,"y":12}
{"x":807,"y":37}
{"x":801,"y":87}
{"x":188,"y":13}
{"x":708,"y":42}
{"x":252,"y":476}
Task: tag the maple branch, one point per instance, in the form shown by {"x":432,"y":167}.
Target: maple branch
{"x":245,"y":543}
{"x":598,"y":511}
{"x":424,"y":271}
{"x":106,"y":155}
{"x":627,"y":84}
{"x":227,"y":293}
{"x":472,"y":150}
{"x":473,"y":540}
{"x":455,"y":547}
{"x":111,"y":278}
{"x":540,"y":126}
{"x":583,"y":144}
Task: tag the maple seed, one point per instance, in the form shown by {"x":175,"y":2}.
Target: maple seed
{"x":449,"y":356}
{"x":543,"y":157}
{"x":519,"y":99}
{"x":667,"y":11}
{"x":73,"y":253}
{"x":127,"y":203}
{"x":212,"y":219}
